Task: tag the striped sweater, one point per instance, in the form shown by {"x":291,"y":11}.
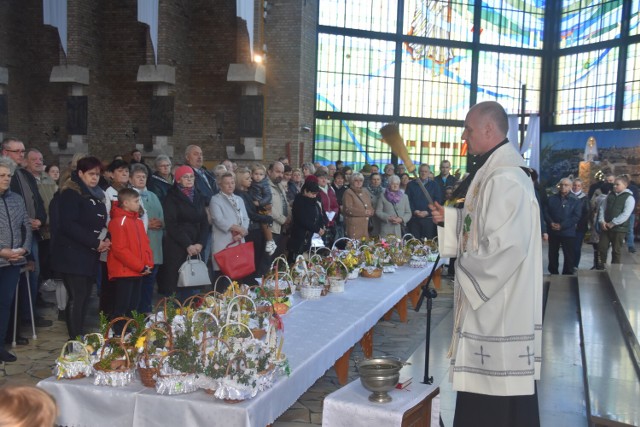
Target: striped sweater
{"x":15,"y":227}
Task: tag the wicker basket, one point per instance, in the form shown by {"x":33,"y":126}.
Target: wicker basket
{"x":311,"y":288}
{"x":119,"y":373}
{"x":371,"y":273}
{"x":72,"y":364}
{"x":170,"y":381}
{"x":205,"y":382}
{"x":337,"y":280}
{"x":148,"y":363}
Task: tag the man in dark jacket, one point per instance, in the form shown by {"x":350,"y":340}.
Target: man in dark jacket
{"x":420,"y":224}
{"x":562,"y":213}
{"x":583,"y":224}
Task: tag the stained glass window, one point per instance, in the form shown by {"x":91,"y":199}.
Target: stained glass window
{"x":635,"y":18}
{"x":501,"y":76}
{"x":587,"y":87}
{"x":433,"y":89}
{"x":355,"y":75}
{"x":518,"y":23}
{"x":359,"y":142}
{"x":439,"y":19}
{"x":632,"y":86}
{"x":584,"y":22}
{"x":368,"y":15}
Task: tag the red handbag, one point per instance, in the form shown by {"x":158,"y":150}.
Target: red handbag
{"x":236,"y":261}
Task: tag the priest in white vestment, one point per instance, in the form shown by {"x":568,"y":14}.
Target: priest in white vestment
{"x":496,"y":345}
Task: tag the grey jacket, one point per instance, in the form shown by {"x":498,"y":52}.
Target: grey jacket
{"x":15,"y":227}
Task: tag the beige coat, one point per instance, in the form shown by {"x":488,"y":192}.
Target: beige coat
{"x":356,"y":222}
{"x":277,"y":211}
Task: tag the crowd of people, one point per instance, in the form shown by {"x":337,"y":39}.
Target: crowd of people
{"x":606,"y":213}
{"x":128,"y":226}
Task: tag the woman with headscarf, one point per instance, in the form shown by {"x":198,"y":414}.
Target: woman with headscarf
{"x":186,"y":230}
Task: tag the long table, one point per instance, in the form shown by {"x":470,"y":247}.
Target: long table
{"x":317,"y":334}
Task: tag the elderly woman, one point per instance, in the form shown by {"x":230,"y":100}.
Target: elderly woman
{"x":307,"y":219}
{"x":393,"y":209}
{"x":186,"y":230}
{"x":230,"y":220}
{"x":255,"y":234}
{"x":161,"y":180}
{"x":357,"y":208}
{"x":389,"y":171}
{"x":15,"y":238}
{"x":154,"y":217}
{"x":295,"y":184}
{"x":308,"y":168}
{"x":79,"y":236}
{"x":375,"y":191}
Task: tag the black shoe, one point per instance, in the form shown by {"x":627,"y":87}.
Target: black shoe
{"x":41,"y":303}
{"x":19,"y":340}
{"x":40,"y":322}
{"x":5,"y":356}
{"x":632,"y":250}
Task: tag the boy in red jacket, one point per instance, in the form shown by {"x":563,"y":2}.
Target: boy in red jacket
{"x":130,"y":256}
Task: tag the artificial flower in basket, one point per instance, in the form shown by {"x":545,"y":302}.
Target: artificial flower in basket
{"x":370,"y":256}
{"x":337,"y":273}
{"x":178,"y":368}
{"x":152,"y":345}
{"x":74,"y":361}
{"x":215,"y":357}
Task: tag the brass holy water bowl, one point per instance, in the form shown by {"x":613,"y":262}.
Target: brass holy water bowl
{"x":380,"y":375}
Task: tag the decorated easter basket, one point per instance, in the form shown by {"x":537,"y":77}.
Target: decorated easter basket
{"x":172,"y":379}
{"x":74,"y":361}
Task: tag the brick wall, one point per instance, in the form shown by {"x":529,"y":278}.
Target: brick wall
{"x":290,"y":35}
{"x":200,"y":38}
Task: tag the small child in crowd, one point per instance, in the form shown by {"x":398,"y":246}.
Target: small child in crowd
{"x":261,"y":195}
{"x":130,"y":256}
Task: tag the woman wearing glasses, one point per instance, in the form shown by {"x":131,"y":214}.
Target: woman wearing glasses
{"x":186,"y":230}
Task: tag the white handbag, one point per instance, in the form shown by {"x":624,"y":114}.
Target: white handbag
{"x":193,"y":272}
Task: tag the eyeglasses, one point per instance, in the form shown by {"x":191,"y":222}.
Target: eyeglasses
{"x":164,"y":166}
{"x":15,"y":151}
{"x":188,"y":176}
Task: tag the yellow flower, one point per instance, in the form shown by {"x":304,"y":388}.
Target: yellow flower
{"x":140,"y":341}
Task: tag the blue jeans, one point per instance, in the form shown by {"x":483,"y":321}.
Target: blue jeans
{"x":8,"y":283}
{"x":146,"y":290}
{"x":630,"y":237}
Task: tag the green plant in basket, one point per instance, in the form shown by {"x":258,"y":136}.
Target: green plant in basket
{"x":187,"y":361}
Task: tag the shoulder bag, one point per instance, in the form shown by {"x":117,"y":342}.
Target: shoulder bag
{"x":236,"y":261}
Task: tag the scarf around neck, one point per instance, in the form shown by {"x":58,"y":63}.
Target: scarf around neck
{"x":393,"y":196}
{"x":187,"y":191}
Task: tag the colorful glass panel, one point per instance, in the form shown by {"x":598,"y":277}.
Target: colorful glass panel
{"x":631,"y":109}
{"x":368,"y":15}
{"x":355,"y":75}
{"x":587,"y":87}
{"x":590,"y":21}
{"x":436,"y":90}
{"x":359,"y":142}
{"x":501,"y":76}
{"x":634,"y":28}
{"x":517,"y":23}
{"x":438,"y":19}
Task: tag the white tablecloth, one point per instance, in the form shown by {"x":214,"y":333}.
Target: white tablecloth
{"x":350,"y":406}
{"x":317,"y":333}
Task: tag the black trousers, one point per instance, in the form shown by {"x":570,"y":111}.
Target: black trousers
{"x":481,"y":410}
{"x":422,"y":227}
{"x":79,"y":290}
{"x":567,"y":244}
{"x":127,"y":295}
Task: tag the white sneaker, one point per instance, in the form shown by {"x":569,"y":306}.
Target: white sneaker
{"x":49,"y":285}
{"x":270,"y":247}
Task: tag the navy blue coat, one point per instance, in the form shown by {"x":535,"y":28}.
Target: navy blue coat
{"x":77,"y":219}
{"x":564,"y":211}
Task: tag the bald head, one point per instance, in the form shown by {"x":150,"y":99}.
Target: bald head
{"x":485,"y":126}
